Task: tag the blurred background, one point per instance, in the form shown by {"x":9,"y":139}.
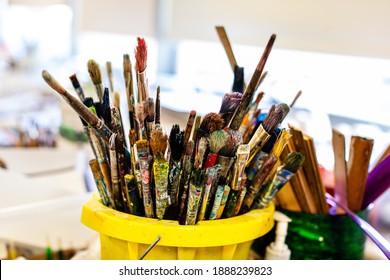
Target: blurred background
{"x":336,"y":52}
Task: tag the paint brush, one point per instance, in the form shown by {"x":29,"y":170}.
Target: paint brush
{"x":285,"y":171}
{"x":277,"y":149}
{"x":247,"y":121}
{"x":202,"y":148}
{"x":102,"y":157}
{"x":134,"y":200}
{"x":240,"y":199}
{"x":176,"y":144}
{"x":224,"y":199}
{"x":257,"y":183}
{"x":188,"y":129}
{"x":149,"y":116}
{"x":78,"y":107}
{"x":210,"y":122}
{"x":220,"y":199}
{"x":250,"y":89}
{"x":101,"y":184}
{"x":234,"y":139}
{"x":357,"y":169}
{"x":238,"y":82}
{"x":195,"y":191}
{"x":141,"y":55}
{"x":135,"y":170}
{"x":253,"y":165}
{"x":77,"y":87}
{"x":110,"y":75}
{"x":378,"y":181}
{"x":128,"y":77}
{"x":195,"y":129}
{"x":88,"y":131}
{"x":262,"y":134}
{"x":143,"y":155}
{"x":266,"y":169}
{"x":216,"y":142}
{"x":117,"y":122}
{"x":158,"y":144}
{"x":184,"y":180}
{"x":123,"y":162}
{"x":96,"y":77}
{"x":211,"y":174}
{"x":140,"y":113}
{"x":229,"y":105}
{"x":242,"y":155}
{"x":253,"y":124}
{"x":285,"y":108}
{"x":119,"y":197}
{"x":106,"y":108}
{"x":157,"y":119}
{"x":227,"y":153}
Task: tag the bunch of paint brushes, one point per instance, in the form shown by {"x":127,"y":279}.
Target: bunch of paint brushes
{"x":220,"y":165}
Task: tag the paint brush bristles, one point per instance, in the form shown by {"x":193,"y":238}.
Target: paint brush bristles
{"x":141,"y":55}
{"x":293,"y":161}
{"x":210,"y":123}
{"x":158,"y":142}
{"x":285,"y":108}
{"x":250,"y":89}
{"x":273,"y":118}
{"x":230,"y":102}
{"x":217,"y":140}
{"x":96,"y":77}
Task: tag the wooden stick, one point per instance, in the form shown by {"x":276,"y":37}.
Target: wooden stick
{"x":319,"y":185}
{"x":310,"y":168}
{"x":295,"y":98}
{"x":358,"y":164}
{"x":384,"y":154}
{"x":340,"y":167}
{"x":300,"y":186}
{"x":226,"y":45}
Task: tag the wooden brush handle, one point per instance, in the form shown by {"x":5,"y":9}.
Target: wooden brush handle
{"x":226,"y":45}
{"x":340,"y":167}
{"x":358,"y":164}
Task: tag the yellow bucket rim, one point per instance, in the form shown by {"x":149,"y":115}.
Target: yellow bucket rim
{"x":207,"y":233}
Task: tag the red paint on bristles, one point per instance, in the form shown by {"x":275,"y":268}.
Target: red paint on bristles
{"x":141,"y":54}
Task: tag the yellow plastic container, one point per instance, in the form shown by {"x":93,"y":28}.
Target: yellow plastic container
{"x":124,"y":236}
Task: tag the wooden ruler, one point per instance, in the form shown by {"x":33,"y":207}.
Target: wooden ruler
{"x":358,"y":164}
